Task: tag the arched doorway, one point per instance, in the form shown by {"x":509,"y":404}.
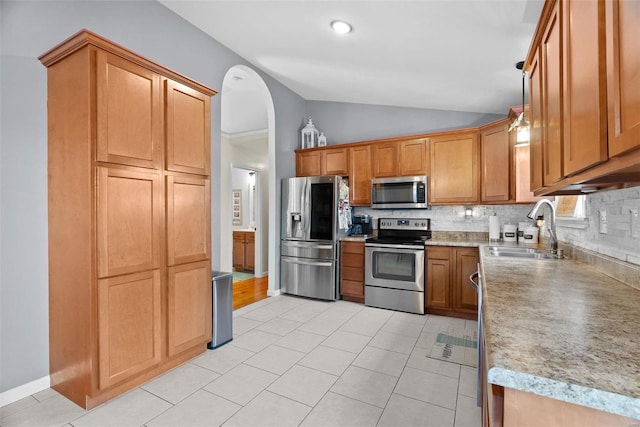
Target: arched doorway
{"x":248,"y":142}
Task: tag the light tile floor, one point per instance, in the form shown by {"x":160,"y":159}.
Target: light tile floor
{"x":293,"y":361}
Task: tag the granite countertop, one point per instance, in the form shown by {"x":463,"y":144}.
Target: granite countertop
{"x":562,"y":329}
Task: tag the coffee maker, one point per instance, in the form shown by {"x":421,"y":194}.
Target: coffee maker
{"x":361,"y":225}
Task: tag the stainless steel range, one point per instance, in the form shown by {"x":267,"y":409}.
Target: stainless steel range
{"x":395,"y":265}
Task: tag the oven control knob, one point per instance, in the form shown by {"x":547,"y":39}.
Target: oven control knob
{"x":423,"y":224}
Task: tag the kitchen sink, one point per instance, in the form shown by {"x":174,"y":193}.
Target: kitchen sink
{"x":516,"y":252}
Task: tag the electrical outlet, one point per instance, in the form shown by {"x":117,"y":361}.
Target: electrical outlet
{"x":635,"y":223}
{"x":603,"y":222}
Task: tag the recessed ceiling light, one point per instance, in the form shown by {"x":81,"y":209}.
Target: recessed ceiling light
{"x":341,"y":27}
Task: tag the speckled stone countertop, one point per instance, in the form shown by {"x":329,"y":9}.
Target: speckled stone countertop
{"x":561,"y":329}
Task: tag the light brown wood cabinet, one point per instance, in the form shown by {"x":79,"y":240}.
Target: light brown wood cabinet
{"x":496,"y":167}
{"x":584,"y":94}
{"x":623,"y":84}
{"x":308,"y":163}
{"x":352,"y":271}
{"x":360,"y":175}
{"x":447,"y":282}
{"x":129,"y":218}
{"x":385,"y":159}
{"x":244,"y":248}
{"x":455,"y":165}
{"x":414,"y":157}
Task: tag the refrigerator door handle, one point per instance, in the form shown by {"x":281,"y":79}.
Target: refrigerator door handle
{"x":305,"y":262}
{"x":307,"y":209}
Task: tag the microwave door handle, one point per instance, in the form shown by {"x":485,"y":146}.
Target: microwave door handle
{"x":415,"y":191}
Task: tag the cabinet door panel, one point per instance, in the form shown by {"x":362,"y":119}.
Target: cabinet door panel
{"x":189,"y":306}
{"x":129,"y":219}
{"x":466,"y":298}
{"x":385,"y":159}
{"x":536,"y":131}
{"x":249,"y":251}
{"x":188,"y":115}
{"x":414,"y":157}
{"x":455,"y":169}
{"x":308,"y":164}
{"x":584,"y":119}
{"x":623,"y":73}
{"x":438,"y":283}
{"x":129,"y":326}
{"x":352,"y":288}
{"x":129,"y":115}
{"x":552,"y":88}
{"x":360,"y":175}
{"x":334,"y":161}
{"x":495,"y":156}
{"x":188,"y":219}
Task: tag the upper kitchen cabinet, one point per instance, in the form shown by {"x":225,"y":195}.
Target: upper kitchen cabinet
{"x":495,"y":150}
{"x":551,"y":63}
{"x":584,"y":71}
{"x":360,"y":175}
{"x":128,"y":113}
{"x":129,"y":230}
{"x":334,"y":161}
{"x":188,"y":119}
{"x":623,"y":75}
{"x":535,"y":121}
{"x":308,"y":163}
{"x":455,"y":160}
{"x":385,"y":159}
{"x":584,"y":85}
{"x":414,"y":157}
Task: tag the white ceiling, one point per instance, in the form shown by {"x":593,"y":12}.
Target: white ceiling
{"x":455,"y":55}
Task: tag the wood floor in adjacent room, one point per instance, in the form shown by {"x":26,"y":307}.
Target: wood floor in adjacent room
{"x":249,"y":291}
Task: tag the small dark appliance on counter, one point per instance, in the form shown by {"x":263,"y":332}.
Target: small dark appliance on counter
{"x":361,"y":225}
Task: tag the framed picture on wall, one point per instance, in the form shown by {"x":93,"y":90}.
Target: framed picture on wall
{"x":237,"y":206}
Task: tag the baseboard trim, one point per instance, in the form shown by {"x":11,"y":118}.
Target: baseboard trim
{"x":24,"y":390}
{"x":273,"y":292}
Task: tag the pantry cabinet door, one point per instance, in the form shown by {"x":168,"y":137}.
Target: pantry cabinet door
{"x":623,"y":73}
{"x":129,"y":326}
{"x":189,"y":306}
{"x":128,"y":113}
{"x":188,"y":219}
{"x":188,"y":123}
{"x":129,"y":221}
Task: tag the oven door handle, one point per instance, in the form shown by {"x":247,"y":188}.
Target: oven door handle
{"x":305,"y":262}
{"x":391,"y":247}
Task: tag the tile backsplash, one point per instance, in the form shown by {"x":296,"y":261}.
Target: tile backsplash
{"x":452,"y":218}
{"x":612,"y":225}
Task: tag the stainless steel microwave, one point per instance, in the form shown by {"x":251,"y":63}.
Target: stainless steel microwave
{"x":405,"y":192}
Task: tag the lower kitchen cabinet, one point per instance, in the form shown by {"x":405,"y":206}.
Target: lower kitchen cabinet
{"x":244,"y":247}
{"x":352,"y":271}
{"x":447,"y":281}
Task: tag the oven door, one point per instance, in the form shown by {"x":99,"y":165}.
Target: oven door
{"x":394,"y":266}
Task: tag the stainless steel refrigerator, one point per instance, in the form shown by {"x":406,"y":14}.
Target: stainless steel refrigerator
{"x":312,"y":208}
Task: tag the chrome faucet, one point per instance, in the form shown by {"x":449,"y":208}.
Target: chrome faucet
{"x":553,"y":238}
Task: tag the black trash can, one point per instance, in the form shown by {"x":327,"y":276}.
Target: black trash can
{"x":222,"y":306}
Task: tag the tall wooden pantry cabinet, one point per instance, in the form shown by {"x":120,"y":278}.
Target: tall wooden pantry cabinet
{"x":129,"y":218}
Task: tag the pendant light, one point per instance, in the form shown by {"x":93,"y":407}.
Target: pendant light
{"x":520,"y":124}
